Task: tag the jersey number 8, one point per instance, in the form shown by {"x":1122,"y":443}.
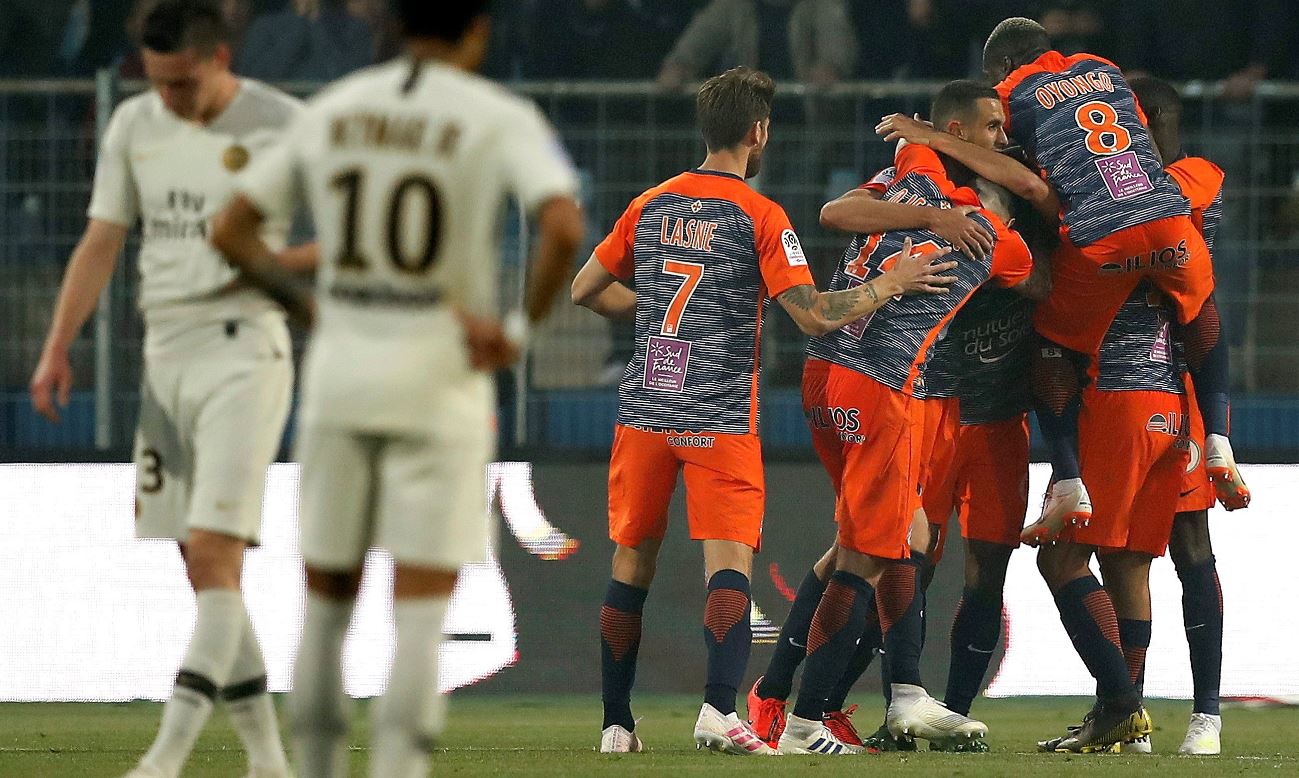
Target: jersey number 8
{"x":412,"y":260}
{"x":1104,"y":133}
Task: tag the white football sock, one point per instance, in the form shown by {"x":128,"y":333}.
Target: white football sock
{"x":411,"y":712}
{"x":204,"y":670}
{"x":318,"y":707}
{"x":252,"y":712}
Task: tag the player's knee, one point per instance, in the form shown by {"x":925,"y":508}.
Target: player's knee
{"x":214,"y":561}
{"x":1190,"y":545}
{"x":333,"y":584}
{"x":985,"y":568}
{"x":411,"y":582}
{"x":825,"y":566}
{"x":635,"y":566}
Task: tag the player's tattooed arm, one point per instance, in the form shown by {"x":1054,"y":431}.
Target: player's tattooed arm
{"x":819,"y":313}
{"x":235,"y":234}
{"x":599,"y":290}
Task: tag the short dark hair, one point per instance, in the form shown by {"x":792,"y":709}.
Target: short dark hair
{"x":956,"y":100}
{"x":446,"y":20}
{"x":1018,"y":39}
{"x":730,"y":103}
{"x":1156,"y":97}
{"x":169,"y":26}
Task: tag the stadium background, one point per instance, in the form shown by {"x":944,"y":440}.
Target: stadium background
{"x":603,"y":85}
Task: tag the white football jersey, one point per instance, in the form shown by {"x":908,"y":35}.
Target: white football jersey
{"x":174,"y":176}
{"x":407,"y":169}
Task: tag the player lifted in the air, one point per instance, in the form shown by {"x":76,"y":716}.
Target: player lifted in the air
{"x":706,"y":253}
{"x":1122,"y":220}
{"x":217,"y":373}
{"x":406,"y":167}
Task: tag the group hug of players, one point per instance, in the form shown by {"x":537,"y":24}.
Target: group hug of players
{"x":1076,"y":283}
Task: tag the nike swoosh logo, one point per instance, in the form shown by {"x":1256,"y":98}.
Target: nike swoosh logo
{"x":1197,"y":626}
{"x":1188,"y":492}
{"x":994,"y":360}
{"x":796,"y":645}
{"x":979,"y":650}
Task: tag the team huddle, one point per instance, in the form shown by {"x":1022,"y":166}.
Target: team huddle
{"x":1071,"y":278}
{"x":1068,"y":275}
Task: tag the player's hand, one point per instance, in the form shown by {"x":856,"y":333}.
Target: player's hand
{"x":922,"y":273}
{"x":955,"y":226}
{"x":51,"y":384}
{"x":490,"y":349}
{"x":910,"y":129}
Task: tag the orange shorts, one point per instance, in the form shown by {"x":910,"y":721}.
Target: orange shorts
{"x":725,"y":492}
{"x":989,"y":486}
{"x":820,"y":420}
{"x":882,"y":432}
{"x":938,"y":450}
{"x":1197,"y":492}
{"x":1091,"y":282}
{"x":1133,"y":448}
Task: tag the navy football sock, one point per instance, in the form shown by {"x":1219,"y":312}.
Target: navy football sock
{"x":1202,"y":615}
{"x":861,"y":659}
{"x":728,"y":635}
{"x":901,"y":605}
{"x":791,"y":646}
{"x":975,"y":631}
{"x":1207,"y":358}
{"x":619,"y":643}
{"x":838,"y":624}
{"x":1134,"y":637}
{"x":1088,"y":617}
{"x":1057,"y":394}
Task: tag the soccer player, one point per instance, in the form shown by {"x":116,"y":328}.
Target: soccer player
{"x":405,"y":166}
{"x":874,"y":392}
{"x":1123,"y":220}
{"x":971,"y":112}
{"x":1190,"y":547}
{"x":217,"y":373}
{"x":706,"y":252}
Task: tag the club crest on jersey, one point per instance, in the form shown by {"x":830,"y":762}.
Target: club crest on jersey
{"x":793,"y":249}
{"x":1172,"y":423}
{"x":235,"y":158}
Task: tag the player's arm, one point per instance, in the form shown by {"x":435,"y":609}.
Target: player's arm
{"x":301,"y":259}
{"x":601,"y":291}
{"x":236,"y":233}
{"x":89,"y":270}
{"x":992,"y":165}
{"x":1037,"y":286}
{"x":862,"y":211}
{"x":820,"y":313}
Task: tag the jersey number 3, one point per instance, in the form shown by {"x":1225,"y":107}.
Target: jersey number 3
{"x":413,"y":191}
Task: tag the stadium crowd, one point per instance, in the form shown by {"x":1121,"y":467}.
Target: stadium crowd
{"x":816,"y":41}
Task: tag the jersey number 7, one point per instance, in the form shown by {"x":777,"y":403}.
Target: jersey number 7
{"x":690,"y":274}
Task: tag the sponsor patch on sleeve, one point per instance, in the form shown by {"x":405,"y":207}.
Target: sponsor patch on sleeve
{"x":793,"y":249}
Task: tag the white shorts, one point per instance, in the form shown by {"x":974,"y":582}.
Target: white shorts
{"x":214,"y":398}
{"x":423,"y":498}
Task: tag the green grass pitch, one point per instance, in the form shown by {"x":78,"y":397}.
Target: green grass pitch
{"x":510,"y":735}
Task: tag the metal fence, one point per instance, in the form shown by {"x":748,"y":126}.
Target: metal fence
{"x":624,"y":137}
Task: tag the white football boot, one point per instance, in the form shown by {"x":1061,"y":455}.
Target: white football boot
{"x":1203,"y":736}
{"x":617,"y":739}
{"x":1140,"y":745}
{"x":803,"y":736}
{"x":1066,"y":504}
{"x":913,"y":713}
{"x":728,"y":734}
{"x":1220,"y":463}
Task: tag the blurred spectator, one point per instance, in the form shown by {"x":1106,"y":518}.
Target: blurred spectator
{"x":1076,"y":26}
{"x":387,"y":32}
{"x":315,"y":40}
{"x":589,"y":39}
{"x":1241,"y":41}
{"x":811,"y":40}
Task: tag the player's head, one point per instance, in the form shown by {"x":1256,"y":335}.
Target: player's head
{"x":734,"y":113}
{"x":971,"y":111}
{"x":1162,"y":105}
{"x":186,"y":50}
{"x":1016,"y":41}
{"x":461,"y":29}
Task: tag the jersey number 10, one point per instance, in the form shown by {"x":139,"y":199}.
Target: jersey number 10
{"x":412,"y":260}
